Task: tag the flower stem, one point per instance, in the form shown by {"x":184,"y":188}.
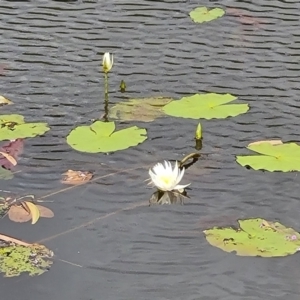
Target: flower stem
{"x":106,"y":85}
{"x":105,"y":117}
{"x":194,"y":156}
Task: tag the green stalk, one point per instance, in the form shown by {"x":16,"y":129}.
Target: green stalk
{"x":105,"y":117}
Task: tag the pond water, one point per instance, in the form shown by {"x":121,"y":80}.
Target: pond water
{"x":51,"y":53}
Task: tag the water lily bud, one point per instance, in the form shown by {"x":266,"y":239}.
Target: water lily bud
{"x":122,"y":86}
{"x":198,"y":134}
{"x":107,"y":62}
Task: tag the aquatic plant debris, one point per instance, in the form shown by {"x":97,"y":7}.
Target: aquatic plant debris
{"x":144,"y":109}
{"x":14,"y":127}
{"x":34,"y":259}
{"x":206,"y":106}
{"x":102,"y":137}
{"x":5,"y":101}
{"x":203,"y":14}
{"x":168,"y":197}
{"x":272,"y":157}
{"x":255,"y":237}
{"x":19,"y":210}
{"x":76,"y":177}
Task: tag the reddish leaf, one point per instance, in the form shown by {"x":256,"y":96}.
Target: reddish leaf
{"x":14,"y":149}
{"x":45,"y":212}
{"x":17,"y":213}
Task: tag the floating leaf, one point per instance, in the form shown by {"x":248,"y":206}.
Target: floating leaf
{"x":100,"y":137}
{"x":18,"y":214}
{"x":271,"y":142}
{"x":5,"y":101}
{"x":76,"y":177}
{"x":255,"y":237}
{"x":16,"y":259}
{"x":34,"y":211}
{"x":207,"y":106}
{"x":202,"y":14}
{"x":5,"y":174}
{"x":282,"y":157}
{"x":13,"y":127}
{"x":14,"y":149}
{"x":145,"y":109}
{"x":45,"y":212}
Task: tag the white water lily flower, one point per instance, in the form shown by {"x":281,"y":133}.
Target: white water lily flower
{"x":165,"y":178}
{"x":107,"y":62}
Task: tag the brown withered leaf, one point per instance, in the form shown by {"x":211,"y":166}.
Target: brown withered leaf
{"x":271,"y":142}
{"x":76,"y":177}
{"x":5,"y":101}
{"x":45,"y":212}
{"x":18,"y":213}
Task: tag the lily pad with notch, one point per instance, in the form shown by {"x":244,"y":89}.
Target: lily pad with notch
{"x":206,"y":106}
{"x":14,"y":127}
{"x":144,"y":109}
{"x":255,"y":237}
{"x":272,"y":157}
{"x":203,"y":14}
{"x":102,"y":137}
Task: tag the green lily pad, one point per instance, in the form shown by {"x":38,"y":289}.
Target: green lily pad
{"x":13,"y":127}
{"x":282,"y":157}
{"x":203,"y":14}
{"x":5,"y":174}
{"x":145,"y":109}
{"x":255,"y":237}
{"x":17,"y":259}
{"x":102,"y":137}
{"x":206,"y":106}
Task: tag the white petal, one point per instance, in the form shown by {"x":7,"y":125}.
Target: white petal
{"x":181,"y":186}
{"x":180,"y":175}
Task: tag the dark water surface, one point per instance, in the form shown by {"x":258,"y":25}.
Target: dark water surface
{"x":52,"y":52}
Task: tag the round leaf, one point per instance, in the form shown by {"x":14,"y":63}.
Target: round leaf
{"x":255,"y":237}
{"x":206,"y":106}
{"x":202,"y":14}
{"x":99,"y":137}
{"x":17,"y":213}
{"x":280,"y":157}
{"x":13,"y":127}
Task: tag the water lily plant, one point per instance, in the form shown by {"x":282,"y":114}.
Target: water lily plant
{"x":166,"y":178}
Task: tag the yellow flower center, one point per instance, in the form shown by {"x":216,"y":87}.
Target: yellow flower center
{"x":166,"y":179}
